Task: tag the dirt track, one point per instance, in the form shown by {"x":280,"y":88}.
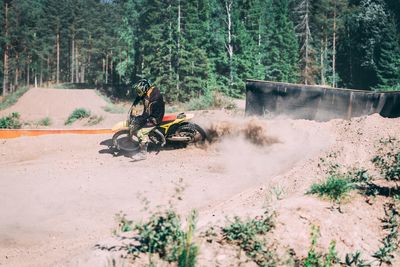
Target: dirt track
{"x":59,"y":194}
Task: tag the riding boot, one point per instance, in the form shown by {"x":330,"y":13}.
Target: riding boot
{"x":142,"y":154}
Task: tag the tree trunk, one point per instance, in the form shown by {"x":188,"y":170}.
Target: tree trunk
{"x":334,"y":47}
{"x":83,"y":73}
{"x":41,"y":73}
{"x":6,"y":51}
{"x":322,"y":61}
{"x":107,"y":69}
{"x":58,"y":58}
{"x":307,"y":43}
{"x":73,"y":60}
{"x":28,"y":73}
{"x":76,"y":64}
{"x":178,"y":48}
{"x":229,"y":45}
{"x":104,"y":70}
{"x":16,"y":82}
{"x":120,"y":61}
{"x":50,"y":74}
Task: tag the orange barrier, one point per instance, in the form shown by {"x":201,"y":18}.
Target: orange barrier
{"x":8,"y":134}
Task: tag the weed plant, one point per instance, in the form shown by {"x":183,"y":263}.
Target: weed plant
{"x":189,"y":250}
{"x":245,"y":234}
{"x":355,"y":260}
{"x":163,"y":236}
{"x":317,"y":259}
{"x":11,"y":121}
{"x":390,"y":242}
{"x":388,"y":159}
{"x":77,"y":114}
{"x":335,"y":188}
{"x":12,"y":98}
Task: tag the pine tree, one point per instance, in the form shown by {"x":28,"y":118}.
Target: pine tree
{"x":308,"y":63}
{"x":282,"y":55}
{"x":388,"y":65}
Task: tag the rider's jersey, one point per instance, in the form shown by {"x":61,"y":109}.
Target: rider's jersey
{"x":154,"y":106}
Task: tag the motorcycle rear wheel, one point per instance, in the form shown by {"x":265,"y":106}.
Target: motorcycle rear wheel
{"x":122,"y":140}
{"x":194,"y":131}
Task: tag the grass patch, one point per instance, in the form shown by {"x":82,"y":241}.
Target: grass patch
{"x":246,"y":235}
{"x":11,"y":121}
{"x":12,"y":98}
{"x":77,"y":114}
{"x":335,"y":188}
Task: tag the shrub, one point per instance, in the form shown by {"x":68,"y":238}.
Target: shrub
{"x":11,"y":121}
{"x":77,"y":114}
{"x":162,"y":235}
{"x":45,"y":121}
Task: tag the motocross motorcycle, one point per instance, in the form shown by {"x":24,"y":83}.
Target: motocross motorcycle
{"x":176,"y":130}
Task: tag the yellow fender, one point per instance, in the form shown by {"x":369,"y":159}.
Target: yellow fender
{"x":120,"y":126}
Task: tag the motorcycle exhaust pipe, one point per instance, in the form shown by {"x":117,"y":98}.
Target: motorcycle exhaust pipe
{"x":179,"y":138}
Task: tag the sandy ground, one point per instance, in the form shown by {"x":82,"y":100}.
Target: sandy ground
{"x":59,"y":194}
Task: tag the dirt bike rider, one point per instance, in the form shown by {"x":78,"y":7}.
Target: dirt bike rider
{"x":153,"y":113}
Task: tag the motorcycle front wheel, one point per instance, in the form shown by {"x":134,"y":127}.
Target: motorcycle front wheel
{"x":122,"y":140}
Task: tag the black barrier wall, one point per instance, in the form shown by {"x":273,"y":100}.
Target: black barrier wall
{"x":317,"y":103}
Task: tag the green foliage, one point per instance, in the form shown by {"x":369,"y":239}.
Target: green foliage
{"x":317,"y":259}
{"x":77,"y":114}
{"x":390,"y":242}
{"x":209,"y":101}
{"x":11,"y":121}
{"x":45,"y":122}
{"x":335,"y":188}
{"x":245,"y":234}
{"x":388,"y":159}
{"x":189,"y":250}
{"x":161,"y":234}
{"x":355,"y":260}
{"x":12,"y":98}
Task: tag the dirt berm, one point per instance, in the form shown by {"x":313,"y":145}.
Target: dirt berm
{"x":59,"y":193}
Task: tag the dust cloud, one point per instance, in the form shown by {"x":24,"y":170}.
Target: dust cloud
{"x":257,"y":150}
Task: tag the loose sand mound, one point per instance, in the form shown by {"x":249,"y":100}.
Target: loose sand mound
{"x":58,"y":104}
{"x":59,"y":194}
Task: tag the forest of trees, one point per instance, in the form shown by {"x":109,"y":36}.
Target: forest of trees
{"x":194,"y":47}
